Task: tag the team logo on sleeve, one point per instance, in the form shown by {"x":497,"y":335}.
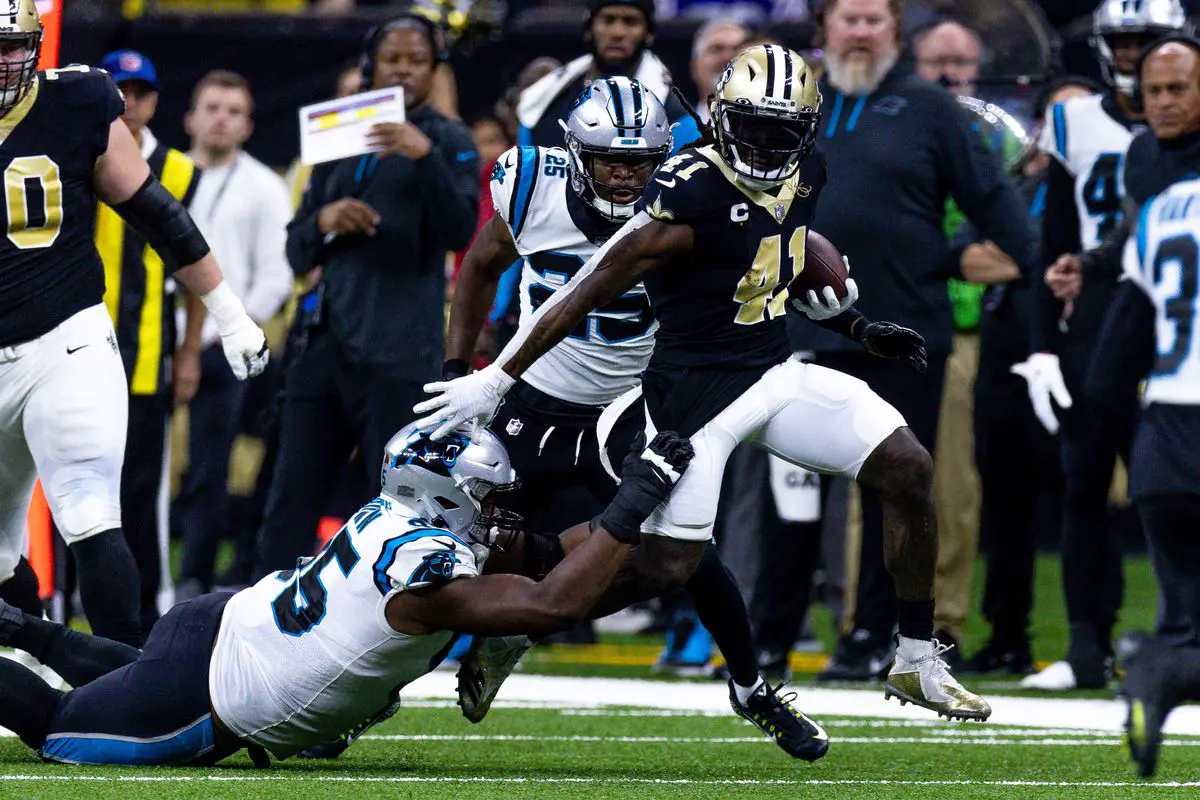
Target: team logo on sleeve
{"x":435,"y":568}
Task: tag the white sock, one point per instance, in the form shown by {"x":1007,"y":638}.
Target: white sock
{"x":913,"y":649}
{"x":743,"y":693}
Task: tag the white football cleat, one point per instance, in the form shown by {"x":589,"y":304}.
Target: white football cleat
{"x":920,"y":676}
{"x":1058,"y":677}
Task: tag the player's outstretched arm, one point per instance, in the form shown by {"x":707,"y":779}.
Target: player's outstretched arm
{"x":508,"y":605}
{"x":491,"y":254}
{"x":641,"y":245}
{"x":124,"y":181}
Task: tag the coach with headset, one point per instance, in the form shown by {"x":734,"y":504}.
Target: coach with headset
{"x":380,"y":225}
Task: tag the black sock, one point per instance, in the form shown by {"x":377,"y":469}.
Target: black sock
{"x":27,"y":703}
{"x":721,"y":609}
{"x":77,"y":657}
{"x":915,"y":619}
{"x":21,"y":590}
{"x":109,"y":586}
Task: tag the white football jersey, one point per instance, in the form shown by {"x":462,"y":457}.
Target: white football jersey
{"x":1163,"y":258}
{"x":305,"y":655}
{"x":1091,"y":145}
{"x":605,"y":356}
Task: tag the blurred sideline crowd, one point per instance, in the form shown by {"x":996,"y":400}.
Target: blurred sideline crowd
{"x":272,"y":466}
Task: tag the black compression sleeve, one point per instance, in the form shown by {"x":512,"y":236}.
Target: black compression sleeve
{"x":843,"y":324}
{"x":165,"y":224}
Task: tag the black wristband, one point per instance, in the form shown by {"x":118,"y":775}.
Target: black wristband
{"x":622,"y":527}
{"x":455,"y":368}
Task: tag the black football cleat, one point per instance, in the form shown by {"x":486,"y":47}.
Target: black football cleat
{"x":777,"y":718}
{"x":1158,"y":677}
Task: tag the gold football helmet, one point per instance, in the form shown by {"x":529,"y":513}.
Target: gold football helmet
{"x":765,"y":113}
{"x":20,"y":45}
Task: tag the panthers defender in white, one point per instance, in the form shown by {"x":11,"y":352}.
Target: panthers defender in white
{"x":554,"y":208}
{"x":63,"y":390}
{"x":1149,"y":335}
{"x":325,"y":649}
{"x":1088,"y":138}
{"x":719,"y":237}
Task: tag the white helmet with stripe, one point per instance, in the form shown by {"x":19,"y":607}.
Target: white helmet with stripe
{"x":616,"y":119}
{"x":1146,"y":19}
{"x":765,"y":113}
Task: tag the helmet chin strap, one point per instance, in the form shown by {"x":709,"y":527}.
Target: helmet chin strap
{"x":611,"y":210}
{"x":1126,"y":84}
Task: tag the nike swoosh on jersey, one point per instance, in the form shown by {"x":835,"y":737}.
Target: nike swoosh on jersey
{"x":669,"y":184}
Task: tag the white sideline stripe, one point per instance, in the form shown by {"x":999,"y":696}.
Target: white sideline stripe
{"x":1026,"y":712}
{"x":299,"y":777}
{"x":941,"y":740}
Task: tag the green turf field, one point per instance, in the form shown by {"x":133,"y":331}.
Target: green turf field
{"x":429,"y":751}
{"x":434,"y":753}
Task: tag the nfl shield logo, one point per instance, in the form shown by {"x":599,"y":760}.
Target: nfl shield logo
{"x":514,"y":426}
{"x":780,"y":212}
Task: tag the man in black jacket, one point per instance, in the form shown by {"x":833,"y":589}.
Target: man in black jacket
{"x":897,"y":148}
{"x":380,"y":225}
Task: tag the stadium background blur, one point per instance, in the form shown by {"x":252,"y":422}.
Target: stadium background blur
{"x":292,"y":52}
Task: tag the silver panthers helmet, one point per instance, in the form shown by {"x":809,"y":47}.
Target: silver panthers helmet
{"x":1149,"y":18}
{"x":614,"y":117}
{"x":449,"y":479}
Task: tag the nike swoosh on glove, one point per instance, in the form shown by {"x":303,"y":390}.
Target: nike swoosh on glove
{"x":895,"y":342}
{"x":647,"y":476}
{"x":475,"y":396}
{"x":1045,"y":378}
{"x":245,"y":347}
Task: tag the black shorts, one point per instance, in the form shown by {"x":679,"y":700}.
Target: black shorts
{"x":153,"y":711}
{"x":553,"y":448}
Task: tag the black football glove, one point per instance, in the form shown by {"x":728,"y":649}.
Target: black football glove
{"x":647,"y":477}
{"x":892,"y":341}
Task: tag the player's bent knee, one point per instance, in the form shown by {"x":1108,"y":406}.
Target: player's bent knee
{"x":900,"y":469}
{"x":87,"y":516}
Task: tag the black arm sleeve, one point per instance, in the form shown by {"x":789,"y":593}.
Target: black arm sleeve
{"x":1124,"y":355}
{"x":984,"y":193}
{"x":305,"y":242}
{"x":163,"y":222}
{"x":1060,"y":232}
{"x":843,"y":324}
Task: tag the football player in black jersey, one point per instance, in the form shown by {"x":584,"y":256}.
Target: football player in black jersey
{"x":720,"y":236}
{"x":63,"y":393}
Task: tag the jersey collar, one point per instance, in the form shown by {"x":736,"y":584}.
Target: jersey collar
{"x":13,"y":118}
{"x":777,"y":205}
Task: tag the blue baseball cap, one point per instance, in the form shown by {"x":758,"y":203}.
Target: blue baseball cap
{"x":130,"y":65}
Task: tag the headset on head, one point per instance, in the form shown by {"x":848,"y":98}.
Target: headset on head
{"x":434,"y":32}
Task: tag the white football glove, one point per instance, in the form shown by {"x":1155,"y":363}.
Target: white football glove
{"x":244,"y":343}
{"x":475,"y":396}
{"x":827,"y":305}
{"x":1045,"y":379}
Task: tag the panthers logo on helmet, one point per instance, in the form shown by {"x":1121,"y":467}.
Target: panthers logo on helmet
{"x":439,"y":457}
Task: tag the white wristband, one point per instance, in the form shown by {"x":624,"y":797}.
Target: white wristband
{"x":224,"y":306}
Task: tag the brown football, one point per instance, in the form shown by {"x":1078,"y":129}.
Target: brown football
{"x":823,"y":266}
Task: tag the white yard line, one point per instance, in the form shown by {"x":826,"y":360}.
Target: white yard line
{"x":995,"y":739}
{"x":1028,"y":712}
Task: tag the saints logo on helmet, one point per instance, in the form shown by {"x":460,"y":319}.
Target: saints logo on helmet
{"x":765,"y":113}
{"x":20,"y":45}
{"x":1142,"y":20}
